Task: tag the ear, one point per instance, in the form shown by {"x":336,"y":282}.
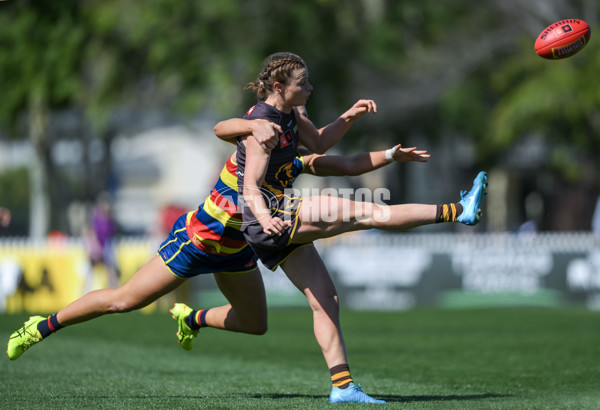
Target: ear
{"x":278,"y":87}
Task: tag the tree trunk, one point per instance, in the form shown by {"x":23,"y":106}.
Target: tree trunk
{"x":38,"y":174}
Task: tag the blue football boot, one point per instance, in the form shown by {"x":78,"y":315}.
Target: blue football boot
{"x":471,"y":200}
{"x":351,"y":394}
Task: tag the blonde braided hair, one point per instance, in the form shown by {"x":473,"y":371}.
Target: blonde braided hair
{"x":277,"y":67}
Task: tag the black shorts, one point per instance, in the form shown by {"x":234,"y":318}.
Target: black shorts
{"x":274,"y":249}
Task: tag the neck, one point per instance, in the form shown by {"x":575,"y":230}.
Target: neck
{"x":276,"y":101}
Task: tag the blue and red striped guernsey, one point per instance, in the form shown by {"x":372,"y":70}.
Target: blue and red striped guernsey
{"x":215,"y":226}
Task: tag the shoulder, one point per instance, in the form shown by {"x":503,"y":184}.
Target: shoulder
{"x":260,"y":110}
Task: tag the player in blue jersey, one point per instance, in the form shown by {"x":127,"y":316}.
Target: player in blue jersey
{"x":281,"y":226}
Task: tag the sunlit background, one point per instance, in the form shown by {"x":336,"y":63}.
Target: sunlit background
{"x":110,"y":105}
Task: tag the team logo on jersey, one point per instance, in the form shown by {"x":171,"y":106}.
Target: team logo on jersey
{"x":285,"y":139}
{"x":285,"y":174}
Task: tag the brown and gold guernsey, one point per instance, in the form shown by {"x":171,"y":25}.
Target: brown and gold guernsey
{"x":283,"y":163}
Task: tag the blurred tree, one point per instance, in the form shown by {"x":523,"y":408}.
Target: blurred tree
{"x":457,"y":69}
{"x":37,"y":72}
{"x":124,"y":67}
{"x":537,"y":117}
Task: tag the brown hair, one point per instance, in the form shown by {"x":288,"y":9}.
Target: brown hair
{"x":277,"y":67}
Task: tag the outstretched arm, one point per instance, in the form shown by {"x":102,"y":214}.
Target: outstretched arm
{"x":337,"y":165}
{"x":265,"y":132}
{"x":320,"y":140}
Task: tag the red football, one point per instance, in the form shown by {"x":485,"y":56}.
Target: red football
{"x":563,"y":39}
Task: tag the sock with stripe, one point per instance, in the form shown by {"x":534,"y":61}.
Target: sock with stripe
{"x":49,"y":326}
{"x":196,"y":319}
{"x":448,"y":212}
{"x":340,"y":376}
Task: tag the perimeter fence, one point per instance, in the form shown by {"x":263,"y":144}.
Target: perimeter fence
{"x":372,"y":271}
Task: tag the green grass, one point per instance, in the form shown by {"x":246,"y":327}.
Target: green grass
{"x":433,"y":359}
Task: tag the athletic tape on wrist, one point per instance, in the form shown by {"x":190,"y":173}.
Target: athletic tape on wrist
{"x":389,"y":154}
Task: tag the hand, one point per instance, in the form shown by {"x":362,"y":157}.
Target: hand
{"x":409,"y":154}
{"x":274,"y":226}
{"x":266,"y":133}
{"x":301,"y":110}
{"x":360,"y":108}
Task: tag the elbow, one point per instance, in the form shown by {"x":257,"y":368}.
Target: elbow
{"x":318,"y":149}
{"x":217,"y":130}
{"x":249,"y":194}
{"x":315,"y":146}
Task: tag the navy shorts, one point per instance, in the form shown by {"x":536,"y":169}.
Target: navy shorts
{"x":273,"y":250}
{"x":185,"y":260}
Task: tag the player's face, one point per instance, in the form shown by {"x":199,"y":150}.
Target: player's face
{"x":298,"y":89}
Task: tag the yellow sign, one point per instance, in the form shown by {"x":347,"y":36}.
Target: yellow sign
{"x":45,"y":277}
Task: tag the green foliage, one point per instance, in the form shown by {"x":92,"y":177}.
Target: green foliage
{"x":43,"y":52}
{"x":521,"y":95}
{"x":458,"y":68}
{"x":551,"y":97}
{"x":555,"y":99}
{"x":196,"y":56}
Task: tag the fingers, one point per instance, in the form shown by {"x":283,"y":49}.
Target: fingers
{"x":276,"y":226}
{"x":367,"y":105}
{"x":268,"y":145}
{"x":420,"y":156}
{"x":266,"y":133}
{"x":410,"y":154}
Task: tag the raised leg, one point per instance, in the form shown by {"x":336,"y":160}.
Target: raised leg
{"x":325,"y":216}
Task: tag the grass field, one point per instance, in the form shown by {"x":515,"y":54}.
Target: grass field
{"x":434,"y":359}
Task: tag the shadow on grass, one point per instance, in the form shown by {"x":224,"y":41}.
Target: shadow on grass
{"x":387,"y":397}
{"x":391,"y":397}
{"x":450,"y":397}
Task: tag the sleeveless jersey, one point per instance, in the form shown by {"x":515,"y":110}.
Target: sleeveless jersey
{"x":284,"y":166}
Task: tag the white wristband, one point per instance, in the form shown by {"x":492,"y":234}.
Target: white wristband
{"x":389,"y":154}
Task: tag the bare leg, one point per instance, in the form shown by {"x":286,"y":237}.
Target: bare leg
{"x":247,"y":311}
{"x":324,"y":216}
{"x":308,"y":273}
{"x":151,"y":282}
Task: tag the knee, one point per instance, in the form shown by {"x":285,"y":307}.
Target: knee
{"x":255,"y":326}
{"x":119,"y":302}
{"x":259,"y":329}
{"x":325,"y":303}
{"x":367,"y":215}
{"x":120,"y":307}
